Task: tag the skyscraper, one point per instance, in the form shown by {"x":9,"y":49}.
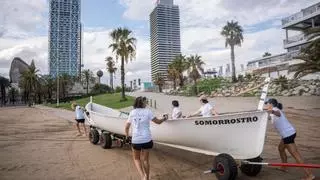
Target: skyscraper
{"x":64,"y":37}
{"x":164,"y":36}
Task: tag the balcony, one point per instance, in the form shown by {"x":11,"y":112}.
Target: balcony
{"x":304,"y":14}
{"x":295,"y":40}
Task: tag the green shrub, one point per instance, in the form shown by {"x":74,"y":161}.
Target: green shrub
{"x":209,"y":85}
{"x":118,"y":89}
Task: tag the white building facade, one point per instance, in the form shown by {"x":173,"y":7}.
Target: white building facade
{"x":279,"y":64}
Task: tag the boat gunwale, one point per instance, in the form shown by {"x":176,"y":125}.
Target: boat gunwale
{"x":193,"y":118}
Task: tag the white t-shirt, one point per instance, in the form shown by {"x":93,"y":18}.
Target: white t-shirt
{"x":79,"y":112}
{"x":140,"y":122}
{"x":176,"y":113}
{"x":281,"y":124}
{"x":206,"y":110}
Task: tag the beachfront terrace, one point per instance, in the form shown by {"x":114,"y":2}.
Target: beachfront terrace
{"x":295,"y":40}
{"x":303,"y":15}
{"x":272,"y":60}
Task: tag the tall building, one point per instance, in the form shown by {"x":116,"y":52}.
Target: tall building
{"x":164,"y":36}
{"x":64,"y":37}
{"x":280,"y":64}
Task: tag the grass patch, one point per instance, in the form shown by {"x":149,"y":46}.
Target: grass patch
{"x":109,"y":100}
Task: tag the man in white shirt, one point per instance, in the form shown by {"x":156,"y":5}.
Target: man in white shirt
{"x":206,"y":109}
{"x":176,"y":112}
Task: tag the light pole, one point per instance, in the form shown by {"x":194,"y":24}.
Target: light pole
{"x":58,"y":89}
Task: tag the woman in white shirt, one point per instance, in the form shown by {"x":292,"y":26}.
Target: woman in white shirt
{"x":176,"y":112}
{"x":287,"y":133}
{"x":141,"y":141}
{"x":206,"y":110}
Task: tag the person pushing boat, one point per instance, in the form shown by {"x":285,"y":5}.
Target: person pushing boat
{"x":288,"y":134}
{"x":139,"y":119}
{"x":206,"y":110}
{"x":79,"y":111}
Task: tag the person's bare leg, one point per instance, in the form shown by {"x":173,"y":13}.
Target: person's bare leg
{"x":137,"y":162}
{"x":78,"y":128}
{"x":85,"y":129}
{"x":292,"y":148}
{"x":146,"y":164}
{"x":283,"y":155}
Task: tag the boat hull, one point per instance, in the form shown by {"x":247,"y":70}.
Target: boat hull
{"x":241,"y":135}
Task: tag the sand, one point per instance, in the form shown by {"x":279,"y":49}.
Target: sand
{"x":40,"y":143}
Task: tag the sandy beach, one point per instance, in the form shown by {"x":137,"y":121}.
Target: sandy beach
{"x":41,"y":143}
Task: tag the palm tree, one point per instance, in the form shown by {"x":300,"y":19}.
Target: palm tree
{"x":87,"y":76}
{"x":124,"y":46}
{"x":266,"y":54}
{"x":194,"y":68}
{"x":13,"y":93}
{"x":4,"y":83}
{"x":159,"y":81}
{"x":111,"y":67}
{"x":49,"y":84}
{"x":310,"y":55}
{"x":29,"y":81}
{"x":173,"y":75}
{"x":65,"y":81}
{"x":233,"y":34}
{"x":179,"y":64}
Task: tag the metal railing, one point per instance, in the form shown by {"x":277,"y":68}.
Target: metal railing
{"x":303,"y":13}
{"x":297,"y":38}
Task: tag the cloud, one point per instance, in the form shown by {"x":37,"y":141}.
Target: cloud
{"x":20,"y":18}
{"x":202,"y":21}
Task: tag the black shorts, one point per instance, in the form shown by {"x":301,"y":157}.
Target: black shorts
{"x":289,"y":139}
{"x":80,"y":120}
{"x":147,"y":145}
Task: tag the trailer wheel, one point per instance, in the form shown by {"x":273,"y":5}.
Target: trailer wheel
{"x":94,"y":136}
{"x":106,"y":140}
{"x":226,"y":167}
{"x":250,"y":169}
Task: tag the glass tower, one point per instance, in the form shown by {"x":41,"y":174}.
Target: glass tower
{"x":64,"y":37}
{"x":164,"y":37}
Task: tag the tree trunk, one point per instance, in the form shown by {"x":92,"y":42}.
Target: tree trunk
{"x":2,"y":95}
{"x":111,"y":81}
{"x":123,"y":96}
{"x":195,"y":86}
{"x":87,"y":86}
{"x":233,"y":65}
{"x":174,"y":84}
{"x":181,"y":83}
{"x":160,"y":88}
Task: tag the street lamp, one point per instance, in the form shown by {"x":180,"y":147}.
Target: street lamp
{"x":57,"y":74}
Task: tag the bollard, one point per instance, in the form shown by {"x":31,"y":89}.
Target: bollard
{"x":150,"y":102}
{"x":155,"y":104}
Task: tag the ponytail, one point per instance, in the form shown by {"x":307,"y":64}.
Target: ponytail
{"x":275,"y":103}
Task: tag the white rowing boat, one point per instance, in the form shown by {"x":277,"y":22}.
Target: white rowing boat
{"x":240,"y":134}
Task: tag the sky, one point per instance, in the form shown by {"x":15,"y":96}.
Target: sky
{"x":24,"y":31}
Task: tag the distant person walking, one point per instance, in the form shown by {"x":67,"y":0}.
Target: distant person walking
{"x":139,"y":119}
{"x":287,"y":133}
{"x":79,"y":111}
{"x":206,"y":110}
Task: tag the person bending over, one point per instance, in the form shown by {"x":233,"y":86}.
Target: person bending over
{"x":79,"y":111}
{"x":287,"y":133}
{"x":141,"y":141}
